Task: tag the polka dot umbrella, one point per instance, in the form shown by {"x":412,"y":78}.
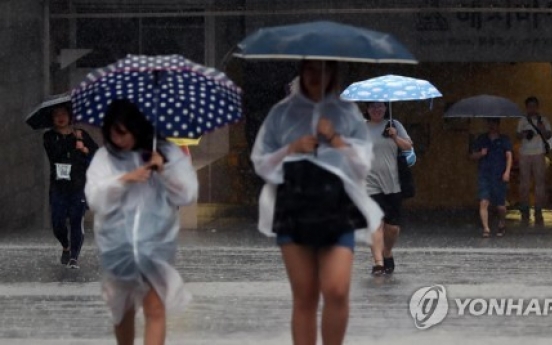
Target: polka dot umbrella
{"x":181,"y":98}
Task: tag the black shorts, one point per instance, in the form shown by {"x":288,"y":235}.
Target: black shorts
{"x":391,"y":205}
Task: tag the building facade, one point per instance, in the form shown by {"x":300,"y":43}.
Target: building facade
{"x":464,"y":48}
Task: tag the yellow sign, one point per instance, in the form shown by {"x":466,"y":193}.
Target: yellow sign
{"x":185,"y":141}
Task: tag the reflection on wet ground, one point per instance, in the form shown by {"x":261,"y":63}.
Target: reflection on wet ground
{"x":241,"y":295}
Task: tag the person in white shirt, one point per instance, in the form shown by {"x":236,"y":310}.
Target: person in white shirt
{"x":533,"y":131}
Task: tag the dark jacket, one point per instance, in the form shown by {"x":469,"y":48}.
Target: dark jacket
{"x":61,"y":149}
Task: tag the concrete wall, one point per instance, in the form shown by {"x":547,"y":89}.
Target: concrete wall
{"x":21,"y":85}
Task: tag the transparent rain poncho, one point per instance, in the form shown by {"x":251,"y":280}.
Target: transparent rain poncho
{"x":136,"y":226}
{"x":296,"y":116}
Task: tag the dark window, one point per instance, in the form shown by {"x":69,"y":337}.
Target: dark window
{"x":113,"y":39}
{"x":183,"y":36}
{"x":109,"y":39}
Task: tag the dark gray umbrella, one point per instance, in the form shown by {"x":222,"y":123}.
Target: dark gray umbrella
{"x":323,"y":40}
{"x":485,"y":106}
{"x":41,"y":116}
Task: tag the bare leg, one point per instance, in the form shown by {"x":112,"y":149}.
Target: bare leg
{"x":377,"y":246}
{"x":302,"y":269}
{"x":484,"y":214}
{"x":390,"y":235}
{"x":124,"y":331}
{"x":335,"y":279}
{"x":154,"y":313}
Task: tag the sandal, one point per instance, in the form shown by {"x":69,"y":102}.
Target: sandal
{"x":500,"y":231}
{"x":486,"y":233}
{"x":378,"y":270}
{"x":389,"y":265}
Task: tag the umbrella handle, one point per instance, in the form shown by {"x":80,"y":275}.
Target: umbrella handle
{"x":156,"y":77}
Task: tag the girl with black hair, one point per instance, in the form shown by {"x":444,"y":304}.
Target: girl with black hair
{"x":69,"y":151}
{"x":314,"y":152}
{"x":135,"y":194}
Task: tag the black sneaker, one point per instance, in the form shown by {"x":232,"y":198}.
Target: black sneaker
{"x":73,"y":264}
{"x":389,"y":265}
{"x":65,"y":255}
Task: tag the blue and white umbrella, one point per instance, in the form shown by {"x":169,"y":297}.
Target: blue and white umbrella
{"x":181,"y":98}
{"x":390,"y":88}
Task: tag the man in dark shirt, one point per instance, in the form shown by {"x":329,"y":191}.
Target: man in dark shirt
{"x":69,"y":152}
{"x":494,"y":153}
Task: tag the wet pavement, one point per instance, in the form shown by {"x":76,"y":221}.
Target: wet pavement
{"x":241,"y":295}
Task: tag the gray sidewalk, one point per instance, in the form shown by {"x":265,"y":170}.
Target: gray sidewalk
{"x":241,"y":295}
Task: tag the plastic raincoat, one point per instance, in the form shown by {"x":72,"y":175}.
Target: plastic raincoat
{"x":296,"y":116}
{"x":136,"y":226}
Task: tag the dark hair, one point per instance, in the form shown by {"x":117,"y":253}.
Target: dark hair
{"x":367,"y":114}
{"x":66,"y":106}
{"x":531,"y":99}
{"x":332,"y":68}
{"x":124,"y":113}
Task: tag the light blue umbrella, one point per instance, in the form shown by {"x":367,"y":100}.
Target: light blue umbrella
{"x":323,"y":40}
{"x":390,"y":88}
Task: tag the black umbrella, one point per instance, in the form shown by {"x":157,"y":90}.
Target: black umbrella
{"x":41,"y":116}
{"x":485,"y":106}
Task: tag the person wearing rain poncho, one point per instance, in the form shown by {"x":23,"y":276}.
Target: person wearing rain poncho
{"x":135,"y":196}
{"x":313,"y":151}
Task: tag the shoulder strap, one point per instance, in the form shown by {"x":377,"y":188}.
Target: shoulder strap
{"x":546,"y":145}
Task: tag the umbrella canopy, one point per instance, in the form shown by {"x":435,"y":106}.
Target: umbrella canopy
{"x":323,"y":41}
{"x":390,"y":88}
{"x":181,"y":98}
{"x":41,"y":116}
{"x":485,"y":106}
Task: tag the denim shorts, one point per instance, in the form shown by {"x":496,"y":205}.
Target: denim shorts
{"x":346,"y":240}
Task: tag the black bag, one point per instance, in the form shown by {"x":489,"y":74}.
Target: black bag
{"x":313,"y":207}
{"x":406,"y":179}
